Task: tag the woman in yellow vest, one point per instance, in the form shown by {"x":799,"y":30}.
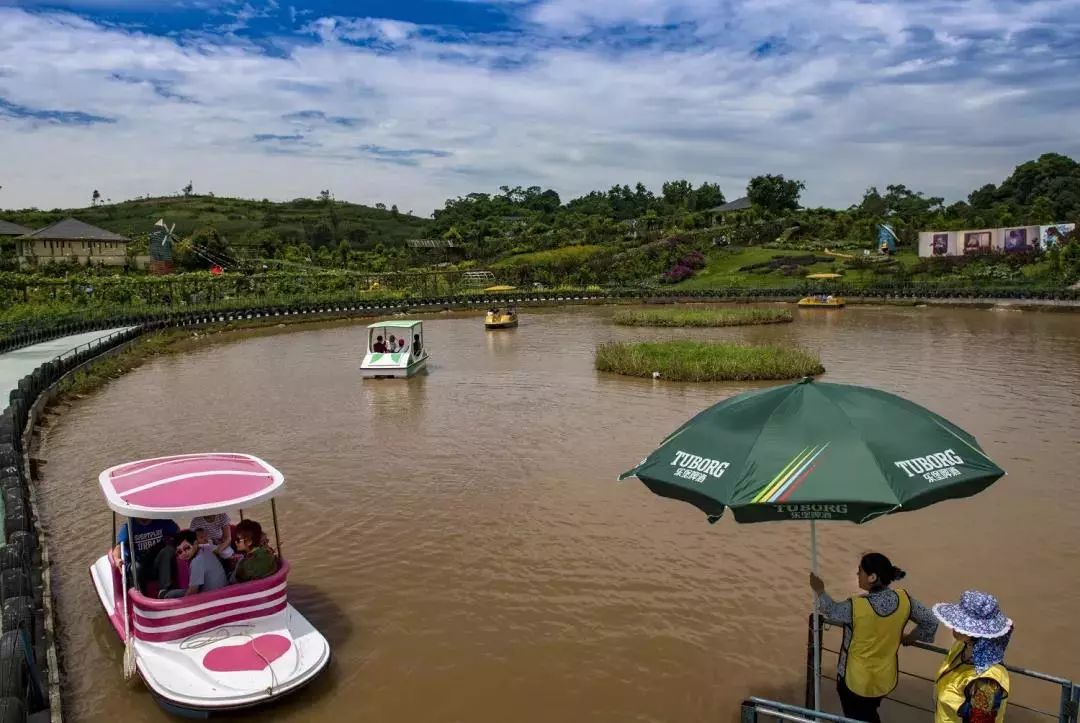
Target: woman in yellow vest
{"x":973,"y":685}
{"x":874,"y":629}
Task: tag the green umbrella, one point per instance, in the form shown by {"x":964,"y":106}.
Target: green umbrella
{"x":816,"y":451}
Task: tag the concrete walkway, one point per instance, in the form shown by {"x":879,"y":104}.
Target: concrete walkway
{"x":14,"y":365}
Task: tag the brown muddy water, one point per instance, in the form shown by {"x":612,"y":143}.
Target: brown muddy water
{"x":461,"y":540}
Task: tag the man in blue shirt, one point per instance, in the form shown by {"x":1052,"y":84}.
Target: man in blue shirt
{"x":155,"y":553}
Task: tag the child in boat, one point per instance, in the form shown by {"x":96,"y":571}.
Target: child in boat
{"x":214,"y":530}
{"x":206,"y":573}
{"x":258,"y":560}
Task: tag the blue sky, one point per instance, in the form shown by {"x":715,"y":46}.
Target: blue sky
{"x":414,"y":101}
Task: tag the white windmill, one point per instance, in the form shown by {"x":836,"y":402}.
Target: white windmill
{"x":161,"y":242}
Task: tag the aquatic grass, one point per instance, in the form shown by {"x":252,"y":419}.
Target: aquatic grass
{"x":703,"y":361}
{"x":701,"y":317}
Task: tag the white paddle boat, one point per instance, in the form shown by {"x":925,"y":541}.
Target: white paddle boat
{"x":235,"y":647}
{"x":395,"y":350}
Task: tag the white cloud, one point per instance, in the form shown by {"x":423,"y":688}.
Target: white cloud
{"x":841,"y":93}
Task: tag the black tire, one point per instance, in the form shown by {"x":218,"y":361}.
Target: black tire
{"x":15,"y":522}
{"x":14,"y":583}
{"x":13,"y":673}
{"x":18,"y":614}
{"x":12,"y":710}
{"x":14,"y":556}
{"x":26,"y":539}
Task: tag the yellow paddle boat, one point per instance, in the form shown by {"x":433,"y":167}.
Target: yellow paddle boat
{"x":501,"y":318}
{"x":823,"y":300}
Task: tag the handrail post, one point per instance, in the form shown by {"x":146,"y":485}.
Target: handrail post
{"x":749,"y":712}
{"x":809,"y":698}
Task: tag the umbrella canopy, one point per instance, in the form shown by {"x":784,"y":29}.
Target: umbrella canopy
{"x":816,"y":451}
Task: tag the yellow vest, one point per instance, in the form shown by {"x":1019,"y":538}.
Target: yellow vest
{"x":953,"y":679}
{"x":872,"y":667}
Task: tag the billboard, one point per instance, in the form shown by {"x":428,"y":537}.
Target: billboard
{"x":976,"y":242}
{"x":1050,"y":236}
{"x":939,"y":244}
{"x":1016,"y":240}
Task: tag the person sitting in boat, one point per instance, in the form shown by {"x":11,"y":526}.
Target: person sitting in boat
{"x":215,"y":530}
{"x":155,"y":552}
{"x":416,"y":343}
{"x":391,"y":344}
{"x":379,"y":347}
{"x":205,"y":572}
{"x":401,"y":344}
{"x":258,"y":560}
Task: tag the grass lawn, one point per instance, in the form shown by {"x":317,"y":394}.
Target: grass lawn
{"x":722,"y":269}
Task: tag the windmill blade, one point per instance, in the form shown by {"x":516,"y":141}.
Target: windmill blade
{"x":161,"y":222}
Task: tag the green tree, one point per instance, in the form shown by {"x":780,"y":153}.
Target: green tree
{"x":706,"y":196}
{"x":1042,"y":211}
{"x":321,"y":235}
{"x":775,"y":194}
{"x":676,"y":194}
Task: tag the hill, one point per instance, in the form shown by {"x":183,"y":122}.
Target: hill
{"x":241,"y":222}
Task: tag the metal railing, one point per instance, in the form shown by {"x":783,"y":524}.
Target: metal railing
{"x":752,"y":708}
{"x":1069,"y":700}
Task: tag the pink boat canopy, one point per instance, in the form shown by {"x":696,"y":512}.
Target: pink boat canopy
{"x":189,"y":484}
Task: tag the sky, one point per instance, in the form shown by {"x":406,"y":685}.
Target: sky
{"x":411,"y":102}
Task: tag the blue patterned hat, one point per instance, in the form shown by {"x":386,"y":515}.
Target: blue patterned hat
{"x":976,"y":615}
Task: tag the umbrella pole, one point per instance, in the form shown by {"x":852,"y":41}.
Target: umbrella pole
{"x":817,"y":619}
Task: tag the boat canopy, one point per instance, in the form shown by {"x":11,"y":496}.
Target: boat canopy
{"x":403,"y":324}
{"x":189,"y":484}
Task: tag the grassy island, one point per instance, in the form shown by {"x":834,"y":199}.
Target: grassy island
{"x":701,"y":317}
{"x":702,"y":361}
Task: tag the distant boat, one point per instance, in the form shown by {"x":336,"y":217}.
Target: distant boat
{"x":501,"y":319}
{"x":405,"y":360}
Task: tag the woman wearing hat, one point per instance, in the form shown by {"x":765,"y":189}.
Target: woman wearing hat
{"x":973,"y":685}
{"x":874,"y":629}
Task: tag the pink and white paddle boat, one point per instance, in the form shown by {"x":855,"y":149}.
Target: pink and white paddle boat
{"x":239,"y":646}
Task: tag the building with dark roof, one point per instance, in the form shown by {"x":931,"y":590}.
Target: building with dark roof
{"x":72,"y":240}
{"x":12,"y":229}
{"x":739,"y":204}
